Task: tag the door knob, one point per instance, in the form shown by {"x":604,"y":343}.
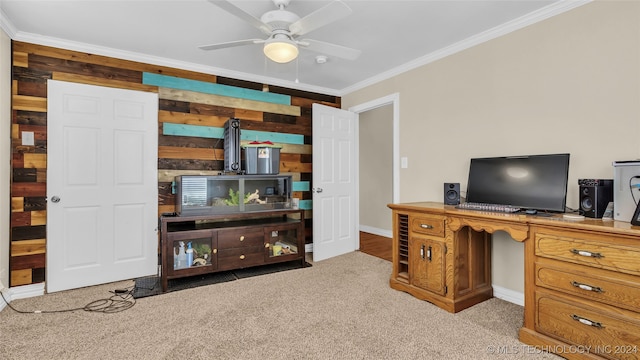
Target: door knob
{"x":55,"y":199}
{"x":317,"y":190}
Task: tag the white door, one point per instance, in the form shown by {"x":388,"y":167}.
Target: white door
{"x":334,"y":182}
{"x":101,"y":185}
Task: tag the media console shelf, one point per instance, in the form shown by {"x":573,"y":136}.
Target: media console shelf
{"x":230,"y":241}
{"x":582,"y":278}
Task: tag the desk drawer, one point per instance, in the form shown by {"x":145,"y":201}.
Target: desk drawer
{"x":612,"y":288}
{"x":427,"y":224}
{"x":244,"y":237}
{"x":614,"y":335}
{"x":599,"y":254}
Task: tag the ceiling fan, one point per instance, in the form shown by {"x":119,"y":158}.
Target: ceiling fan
{"x":284,"y":27}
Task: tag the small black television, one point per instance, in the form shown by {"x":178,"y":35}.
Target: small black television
{"x":537,"y":182}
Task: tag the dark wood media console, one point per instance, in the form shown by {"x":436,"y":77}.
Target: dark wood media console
{"x":231,"y":241}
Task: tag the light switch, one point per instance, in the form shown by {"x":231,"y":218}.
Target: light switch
{"x":404,"y":162}
{"x":28,"y":139}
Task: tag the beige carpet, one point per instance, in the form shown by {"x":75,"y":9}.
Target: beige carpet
{"x":341,"y":308}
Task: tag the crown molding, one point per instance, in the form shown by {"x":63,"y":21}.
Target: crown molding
{"x":6,"y":25}
{"x":160,"y":61}
{"x":506,"y":28}
{"x":511,"y":26}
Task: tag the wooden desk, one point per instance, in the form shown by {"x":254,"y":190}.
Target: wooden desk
{"x":582,"y":278}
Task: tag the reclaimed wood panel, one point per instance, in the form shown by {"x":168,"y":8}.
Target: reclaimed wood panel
{"x":198,"y":152}
{"x":38,"y":217}
{"x":172,"y":152}
{"x":25,"y":175}
{"x":35,"y":161}
{"x":170,"y":175}
{"x":29,"y":103}
{"x":28,"y":247}
{"x":21,"y":277}
{"x":46,"y":63}
{"x":31,"y":261}
{"x":98,"y":81}
{"x":20,"y":218}
{"x":214,"y":89}
{"x":218,"y":133}
{"x":30,"y":118}
{"x":190,"y":141}
{"x":252,"y":115}
{"x":20,"y":59}
{"x":28,"y":232}
{"x":176,"y":117}
{"x":29,"y":189}
{"x":17,"y":204}
{"x":219,"y":100}
{"x":34,"y":203}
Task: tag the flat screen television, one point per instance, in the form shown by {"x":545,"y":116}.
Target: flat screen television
{"x":537,"y":182}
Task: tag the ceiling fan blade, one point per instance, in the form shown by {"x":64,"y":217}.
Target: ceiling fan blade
{"x":231,"y":44}
{"x":234,"y":10}
{"x":329,"y":13}
{"x":330,"y":49}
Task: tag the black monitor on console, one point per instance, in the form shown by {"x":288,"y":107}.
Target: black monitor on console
{"x":536,"y":182}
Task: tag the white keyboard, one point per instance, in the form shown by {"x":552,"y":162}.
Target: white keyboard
{"x":488,"y":207}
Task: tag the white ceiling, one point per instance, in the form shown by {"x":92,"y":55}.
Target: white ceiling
{"x":394,"y":36}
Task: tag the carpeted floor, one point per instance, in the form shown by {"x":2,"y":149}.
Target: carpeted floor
{"x":152,"y":285}
{"x":340,"y":308}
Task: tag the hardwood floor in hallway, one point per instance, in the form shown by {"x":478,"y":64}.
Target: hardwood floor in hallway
{"x":376,"y":245}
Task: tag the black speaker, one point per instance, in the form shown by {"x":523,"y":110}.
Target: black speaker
{"x":451,"y":193}
{"x":595,"y":195}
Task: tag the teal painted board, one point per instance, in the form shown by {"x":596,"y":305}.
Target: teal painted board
{"x":218,"y":133}
{"x":212,"y":88}
{"x":253,"y":135}
{"x":192,"y":130}
{"x":300,"y":186}
{"x":306,"y":204}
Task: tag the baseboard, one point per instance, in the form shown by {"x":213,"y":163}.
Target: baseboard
{"x":21,"y":292}
{"x":376,"y":231}
{"x":511,"y":296}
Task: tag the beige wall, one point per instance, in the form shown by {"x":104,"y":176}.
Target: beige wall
{"x":376,"y":170}
{"x":5,"y":153}
{"x":570,"y":84}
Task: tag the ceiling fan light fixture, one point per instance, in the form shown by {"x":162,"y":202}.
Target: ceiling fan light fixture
{"x":280,"y":49}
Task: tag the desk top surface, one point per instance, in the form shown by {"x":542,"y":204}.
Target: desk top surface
{"x":554,"y":220}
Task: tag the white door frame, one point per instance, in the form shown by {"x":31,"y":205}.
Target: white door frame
{"x":394,"y":100}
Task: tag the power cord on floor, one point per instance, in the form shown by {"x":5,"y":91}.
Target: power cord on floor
{"x":121,"y":300}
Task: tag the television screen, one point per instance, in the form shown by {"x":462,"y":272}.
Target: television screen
{"x":536,"y":182}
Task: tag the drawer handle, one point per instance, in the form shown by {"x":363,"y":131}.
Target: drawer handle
{"x":587,"y":253}
{"x":426,"y":226}
{"x":587,"y":321}
{"x":215,"y":251}
{"x":242,"y":238}
{"x":587,"y":287}
{"x":241,"y":257}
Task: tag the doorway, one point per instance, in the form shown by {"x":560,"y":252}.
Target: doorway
{"x":379,"y":163}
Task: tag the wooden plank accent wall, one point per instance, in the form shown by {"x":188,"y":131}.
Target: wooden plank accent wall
{"x":192,"y":110}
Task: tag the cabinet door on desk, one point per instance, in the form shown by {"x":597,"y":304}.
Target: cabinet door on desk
{"x":427,"y":264}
